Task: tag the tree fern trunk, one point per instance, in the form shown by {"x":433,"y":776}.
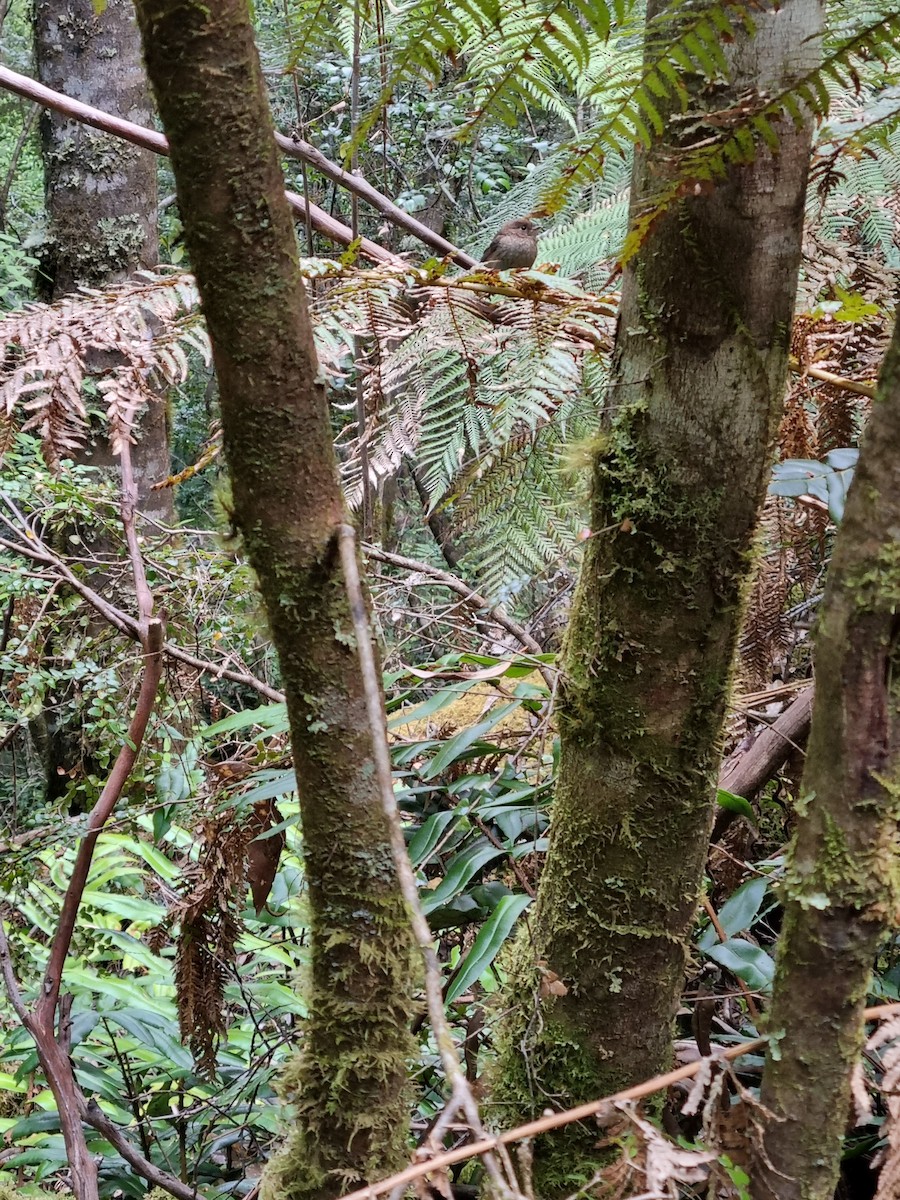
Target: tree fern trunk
{"x":349,"y":1085}
{"x":680,"y":471}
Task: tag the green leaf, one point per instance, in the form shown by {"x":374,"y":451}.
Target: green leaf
{"x":456,"y":746}
{"x":130,"y":908}
{"x":463,"y":868}
{"x":272,"y":717}
{"x":746,"y":961}
{"x":430,"y":706}
{"x":738,"y":912}
{"x":487,"y":945}
{"x":735,"y":804}
{"x":428,"y":835}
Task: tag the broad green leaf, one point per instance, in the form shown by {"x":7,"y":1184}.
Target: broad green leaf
{"x":746,"y":961}
{"x":117,"y":989}
{"x":738,"y":912}
{"x":487,"y":945}
{"x":735,"y":804}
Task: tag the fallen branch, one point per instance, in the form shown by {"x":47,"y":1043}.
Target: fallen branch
{"x":321,"y":221}
{"x":745,"y":772}
{"x":848,"y":385}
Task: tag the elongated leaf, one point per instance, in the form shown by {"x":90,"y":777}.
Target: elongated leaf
{"x":738,"y":912}
{"x":487,"y":945}
{"x":130,"y":908}
{"x":456,"y":746}
{"x":272,"y":717}
{"x":462,"y":869}
{"x":427,"y":837}
{"x":428,"y":707}
{"x":746,"y":961}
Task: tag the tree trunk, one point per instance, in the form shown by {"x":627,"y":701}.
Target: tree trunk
{"x":680,"y":471}
{"x":101,"y":192}
{"x":349,"y":1085}
{"x":841,"y":882}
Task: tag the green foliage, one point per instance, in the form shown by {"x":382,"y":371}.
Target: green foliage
{"x":125,"y":1045}
{"x":16,"y":269}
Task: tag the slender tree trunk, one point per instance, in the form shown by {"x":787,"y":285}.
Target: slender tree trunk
{"x":349,"y":1085}
{"x":841,"y":887}
{"x":681,"y":468}
{"x":101,"y":200}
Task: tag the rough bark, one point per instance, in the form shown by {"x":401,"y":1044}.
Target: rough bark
{"x":101,"y":192}
{"x":349,"y":1084}
{"x":680,"y":471}
{"x":842,"y":881}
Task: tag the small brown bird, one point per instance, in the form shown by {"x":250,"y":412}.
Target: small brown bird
{"x":514,"y":246}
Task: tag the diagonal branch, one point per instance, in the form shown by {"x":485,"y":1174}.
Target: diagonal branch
{"x":321,"y":221}
{"x":37,"y":551}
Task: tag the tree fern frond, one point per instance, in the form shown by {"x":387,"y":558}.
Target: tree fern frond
{"x":757,"y":119}
{"x":135,"y":329}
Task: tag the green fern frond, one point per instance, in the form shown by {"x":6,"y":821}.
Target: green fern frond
{"x":633,"y":108}
{"x":810,"y":96}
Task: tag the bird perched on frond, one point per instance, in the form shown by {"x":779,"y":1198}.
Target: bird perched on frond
{"x":515,"y":245}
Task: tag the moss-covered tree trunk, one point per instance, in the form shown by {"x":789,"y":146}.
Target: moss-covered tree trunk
{"x":842,"y":886}
{"x":350,"y":1083}
{"x":680,"y":470}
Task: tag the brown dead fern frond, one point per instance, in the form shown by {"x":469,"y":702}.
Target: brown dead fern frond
{"x":209,"y":929}
{"x":649,"y":1165}
{"x":126,"y":342}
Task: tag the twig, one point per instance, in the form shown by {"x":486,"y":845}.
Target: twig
{"x":38,"y":551}
{"x":421,"y":931}
{"x":849,"y":385}
{"x":51,"y":1040}
{"x":27,"y":126}
{"x":475,"y":599}
{"x":45,"y":1009}
{"x":546,"y":1123}
{"x":723,"y":937}
{"x":95,"y":1116}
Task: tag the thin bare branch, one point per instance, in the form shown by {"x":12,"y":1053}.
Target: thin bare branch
{"x":321,"y":221}
{"x":475,"y":599}
{"x":45,"y":1010}
{"x":421,"y":931}
{"x":37,"y":551}
{"x":95,"y":1116}
{"x":849,"y":385}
